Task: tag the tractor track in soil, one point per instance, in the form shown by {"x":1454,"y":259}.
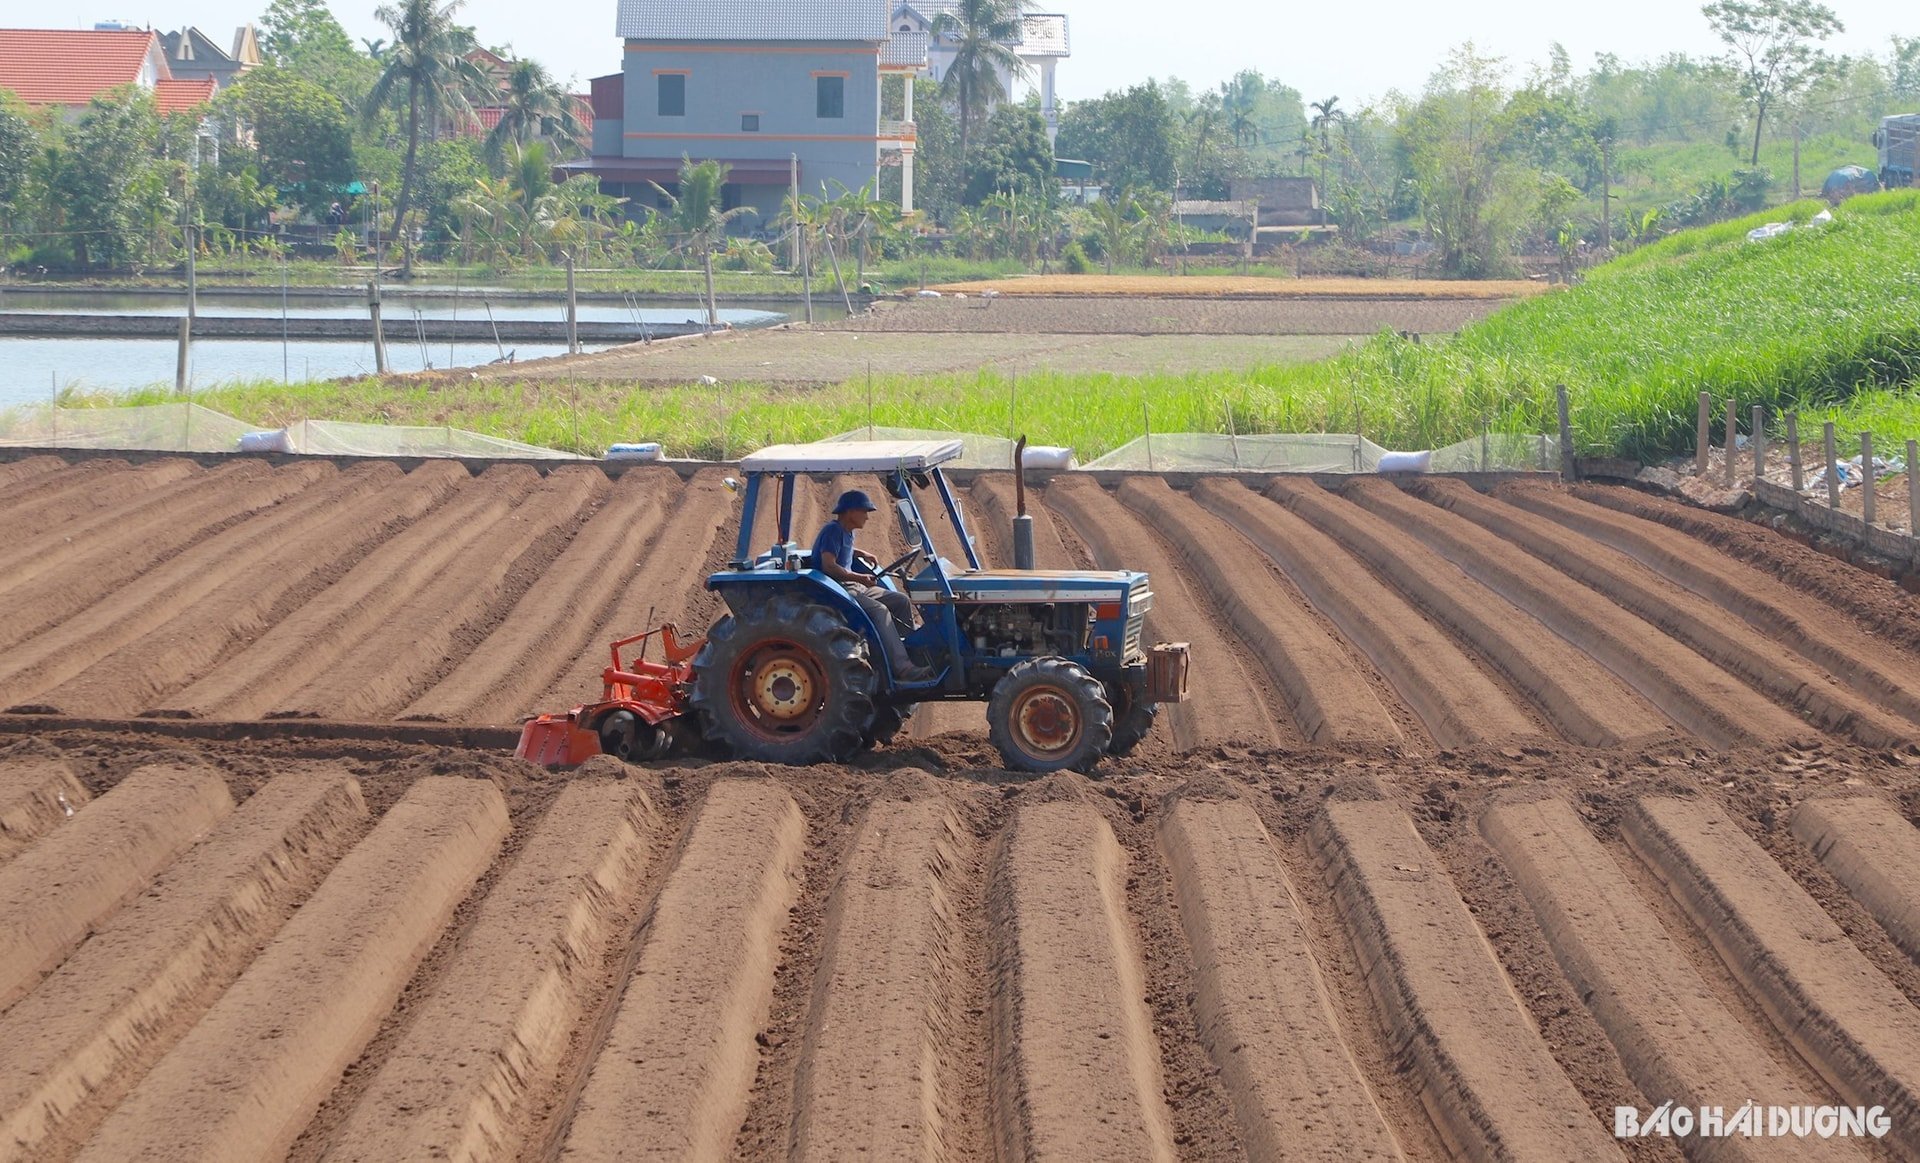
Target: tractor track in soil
{"x":1470,"y":929}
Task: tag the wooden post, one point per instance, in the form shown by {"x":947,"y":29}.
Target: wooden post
{"x":1701,"y":436}
{"x":1146,"y":425}
{"x":379,"y":336}
{"x":1833,"y":469}
{"x":1568,"y":471}
{"x":1733,"y":429}
{"x":1793,"y":451}
{"x":1913,"y":491}
{"x":573,"y":311}
{"x":180,"y":360}
{"x":193,"y":282}
{"x":1867,"y":497}
{"x":1486,"y":443}
{"x":1759,"y":439}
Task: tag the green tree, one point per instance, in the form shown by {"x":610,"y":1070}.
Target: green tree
{"x":106,"y":181}
{"x":1903,"y":68}
{"x":302,"y":133}
{"x":303,"y":37}
{"x":695,"y":218}
{"x":533,"y":108}
{"x":1474,"y":198}
{"x":1772,"y":50}
{"x":1239,"y":101}
{"x":1326,"y":115}
{"x":18,"y":145}
{"x":1128,"y":135}
{"x":982,"y":33}
{"x":427,"y":64}
{"x":1013,"y":154}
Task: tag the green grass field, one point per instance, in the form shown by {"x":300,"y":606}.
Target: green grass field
{"x":1825,"y":320}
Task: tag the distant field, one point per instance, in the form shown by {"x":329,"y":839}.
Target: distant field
{"x":1249,"y":285}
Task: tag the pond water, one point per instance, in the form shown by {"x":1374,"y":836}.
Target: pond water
{"x":32,"y":370}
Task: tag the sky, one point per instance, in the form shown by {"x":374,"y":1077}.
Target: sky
{"x":1356,"y":51}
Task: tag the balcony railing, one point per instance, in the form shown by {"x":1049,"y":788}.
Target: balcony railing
{"x":897,"y":130}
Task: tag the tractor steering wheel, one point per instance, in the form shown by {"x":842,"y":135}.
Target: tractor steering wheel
{"x":900,"y":565}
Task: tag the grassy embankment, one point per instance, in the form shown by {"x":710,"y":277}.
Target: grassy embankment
{"x":1826,"y":320}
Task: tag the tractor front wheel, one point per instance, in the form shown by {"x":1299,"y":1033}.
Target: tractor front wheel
{"x":1049,"y":714}
{"x":785,"y":682}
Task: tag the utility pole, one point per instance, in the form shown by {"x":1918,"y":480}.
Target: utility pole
{"x":793,"y":179}
{"x":1606,"y":195}
{"x":1796,"y":161}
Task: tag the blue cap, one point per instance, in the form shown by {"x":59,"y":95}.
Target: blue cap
{"x":854,"y":499}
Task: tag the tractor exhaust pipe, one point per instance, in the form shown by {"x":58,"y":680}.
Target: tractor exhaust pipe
{"x":1022,"y":522}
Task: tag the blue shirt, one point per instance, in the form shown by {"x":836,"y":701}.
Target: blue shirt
{"x":836,"y":539}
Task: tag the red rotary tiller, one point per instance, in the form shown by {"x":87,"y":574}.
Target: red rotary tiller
{"x":638,"y":715}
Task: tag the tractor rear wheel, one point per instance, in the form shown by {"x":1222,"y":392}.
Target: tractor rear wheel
{"x":785,"y":682}
{"x":1049,"y":714}
{"x":1132,"y":722}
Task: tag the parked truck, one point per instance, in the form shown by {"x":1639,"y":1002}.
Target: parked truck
{"x":1898,"y":140}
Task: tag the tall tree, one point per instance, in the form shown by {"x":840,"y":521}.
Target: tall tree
{"x":695,"y":218}
{"x":1457,"y":143}
{"x":983,"y":33}
{"x":1326,"y":115}
{"x":302,"y":131}
{"x":1239,"y":100}
{"x":533,"y":107}
{"x":1772,"y":50}
{"x":427,"y":63}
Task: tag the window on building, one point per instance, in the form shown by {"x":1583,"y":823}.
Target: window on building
{"x":729,"y":197}
{"x":830,"y":96}
{"x":673,"y":94}
{"x":749,"y":123}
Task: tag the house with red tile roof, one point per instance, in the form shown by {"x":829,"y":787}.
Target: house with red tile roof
{"x":70,"y":67}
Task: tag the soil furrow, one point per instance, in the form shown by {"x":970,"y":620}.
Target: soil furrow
{"x":1681,"y":615}
{"x":1456,"y":702}
{"x":482,"y":1046}
{"x":1264,"y":1012}
{"x":79,"y":1042}
{"x":1225,"y":705}
{"x":672,"y":1079}
{"x":1331,"y":700}
{"x":1704,"y":698}
{"x":667,"y":584}
{"x":420,"y":634}
{"x":37,"y":795}
{"x":1076,"y":1067}
{"x":247,"y":1078}
{"x":1879,"y":605}
{"x":14,"y":472}
{"x":1586,"y":702}
{"x":1675,"y":1038}
{"x":69,"y":490}
{"x":105,"y":858}
{"x":86,"y":510}
{"x":1843,"y":1016}
{"x":498,"y":680}
{"x":1485,"y":1076}
{"x":182,"y":499}
{"x":875,"y":1075}
{"x":1771,"y":607}
{"x":349,"y":612}
{"x":179,"y":622}
{"x":103,"y":566}
{"x":1875,"y":852}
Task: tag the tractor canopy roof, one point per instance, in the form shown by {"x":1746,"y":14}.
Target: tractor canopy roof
{"x":851,"y":456}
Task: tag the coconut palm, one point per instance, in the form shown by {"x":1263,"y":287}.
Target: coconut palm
{"x":1326,"y":114}
{"x":426,"y":63}
{"x":982,"y":33}
{"x":1238,"y":99}
{"x":533,"y":106}
{"x":694,"y":217}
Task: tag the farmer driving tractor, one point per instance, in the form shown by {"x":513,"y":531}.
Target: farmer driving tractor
{"x":834,"y":554}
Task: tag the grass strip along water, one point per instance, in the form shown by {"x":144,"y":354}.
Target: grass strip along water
{"x":1822,"y":318}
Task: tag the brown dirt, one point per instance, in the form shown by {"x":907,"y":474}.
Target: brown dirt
{"x":919,"y":954}
{"x":1151,"y":286}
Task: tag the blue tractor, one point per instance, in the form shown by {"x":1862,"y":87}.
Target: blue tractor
{"x":797,"y":672}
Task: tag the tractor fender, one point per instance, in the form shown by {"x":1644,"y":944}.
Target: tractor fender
{"x":745,"y":590}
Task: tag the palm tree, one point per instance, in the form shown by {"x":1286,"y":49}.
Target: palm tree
{"x":1115,"y":226}
{"x":1325,"y":115}
{"x":982,"y":33}
{"x":1238,"y":98}
{"x":864,"y":216}
{"x":695,"y":216}
{"x":532,"y":107}
{"x":426,"y":61}
{"x":1204,"y":115}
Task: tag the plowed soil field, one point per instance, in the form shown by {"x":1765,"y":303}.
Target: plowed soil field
{"x":1489,"y":813}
